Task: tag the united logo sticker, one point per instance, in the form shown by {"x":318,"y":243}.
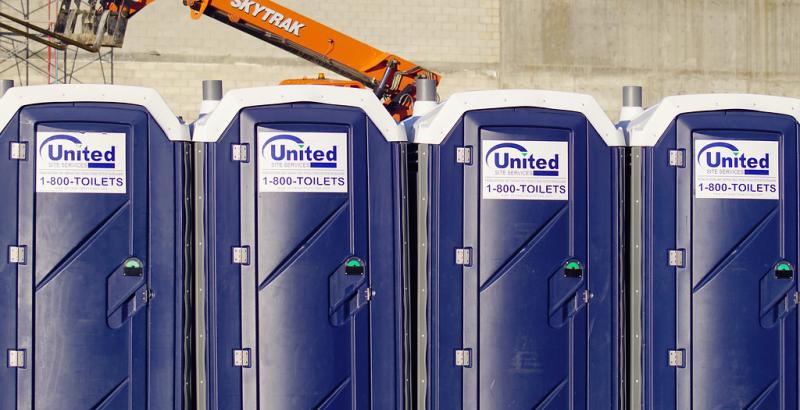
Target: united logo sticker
{"x":736,"y":169}
{"x":302,"y":162}
{"x":527,"y":170}
{"x":81,"y":162}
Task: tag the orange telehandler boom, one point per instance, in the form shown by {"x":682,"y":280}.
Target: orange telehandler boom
{"x":93,"y":24}
{"x":389,"y":75}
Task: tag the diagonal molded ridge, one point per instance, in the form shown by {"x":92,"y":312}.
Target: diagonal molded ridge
{"x":736,"y":251}
{"x":303,"y":246}
{"x":524,"y":249}
{"x":85,"y":243}
{"x":758,"y":401}
{"x":551,"y":396}
{"x":111,"y":395}
{"x":330,"y":397}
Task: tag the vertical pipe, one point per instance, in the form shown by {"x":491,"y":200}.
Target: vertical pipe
{"x":426,"y":96}
{"x":212,"y":94}
{"x":5,"y":85}
{"x":631,"y":103}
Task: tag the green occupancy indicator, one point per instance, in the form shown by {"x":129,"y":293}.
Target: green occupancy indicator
{"x":354,"y":266}
{"x":784,"y":270}
{"x":573,"y":269}
{"x":133,"y":267}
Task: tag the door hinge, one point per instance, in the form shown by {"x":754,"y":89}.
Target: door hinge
{"x":677,"y":158}
{"x":464,"y":155}
{"x":677,"y":358}
{"x":16,"y":359}
{"x":241,"y":255}
{"x":464,"y":358}
{"x":16,"y":254}
{"x":677,"y":257}
{"x":239,"y":152}
{"x":19,"y":150}
{"x":464,"y":256}
{"x":369,"y":294}
{"x":241,"y":358}
{"x":797,"y":298}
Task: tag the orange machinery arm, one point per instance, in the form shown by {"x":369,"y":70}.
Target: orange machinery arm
{"x":392,"y":77}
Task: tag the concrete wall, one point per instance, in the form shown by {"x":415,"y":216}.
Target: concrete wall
{"x":591,"y":46}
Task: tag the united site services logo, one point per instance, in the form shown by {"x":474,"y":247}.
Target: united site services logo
{"x":513,"y":156}
{"x":292,"y":152}
{"x":728,"y":158}
{"x":69,"y":151}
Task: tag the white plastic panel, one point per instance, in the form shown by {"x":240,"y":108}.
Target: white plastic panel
{"x":148,"y":98}
{"x":434,"y":127}
{"x":211,"y":127}
{"x":646,"y":129}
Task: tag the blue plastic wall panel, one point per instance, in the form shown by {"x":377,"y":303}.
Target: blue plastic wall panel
{"x":726,"y":307}
{"x":91,"y":336}
{"x":315,"y":340}
{"x":535,"y":341}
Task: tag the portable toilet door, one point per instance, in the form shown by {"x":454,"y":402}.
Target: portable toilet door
{"x":304,"y":261}
{"x":714,"y":252}
{"x":522,"y":251}
{"x":92,"y":251}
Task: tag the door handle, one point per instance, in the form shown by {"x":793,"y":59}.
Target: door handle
{"x":565,"y":293}
{"x":777,"y":298}
{"x":347,"y":288}
{"x":126,"y":292}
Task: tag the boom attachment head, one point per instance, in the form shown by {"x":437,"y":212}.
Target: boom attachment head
{"x":95,"y":23}
{"x":89,"y":25}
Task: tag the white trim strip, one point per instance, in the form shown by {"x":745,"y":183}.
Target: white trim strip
{"x":435,"y":126}
{"x":648,"y":128}
{"x":213,"y":125}
{"x":19,"y":97}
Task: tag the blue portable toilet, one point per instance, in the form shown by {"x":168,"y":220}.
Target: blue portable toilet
{"x":304,"y":247}
{"x":714,"y":226}
{"x":92,"y":260}
{"x":519,"y":238}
